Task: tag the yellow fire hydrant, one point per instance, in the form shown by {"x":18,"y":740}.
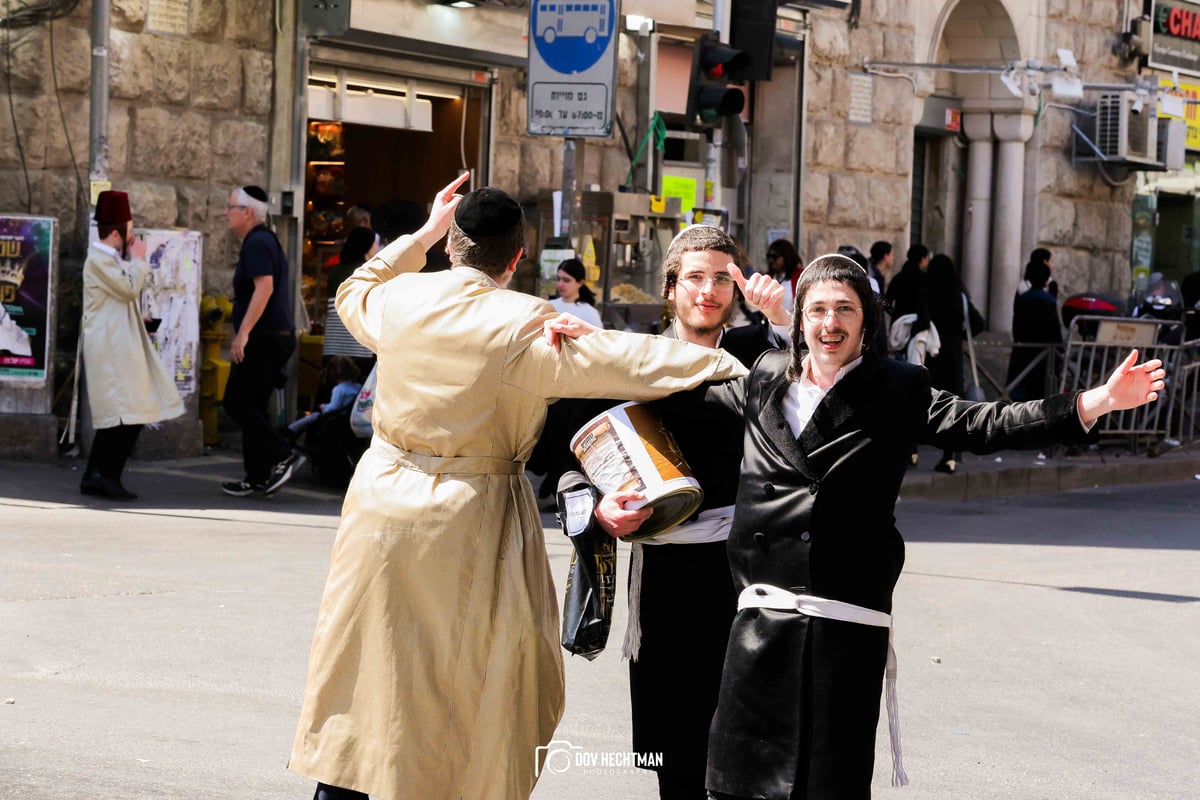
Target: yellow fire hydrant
{"x":214,"y":370}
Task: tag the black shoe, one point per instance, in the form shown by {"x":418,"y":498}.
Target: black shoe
{"x":100,"y":486}
{"x":242,"y":488}
{"x":282,"y":472}
{"x":327,"y":792}
{"x":948,"y":466}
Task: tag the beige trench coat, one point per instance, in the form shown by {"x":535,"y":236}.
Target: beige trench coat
{"x":435,"y":670}
{"x":126,"y":382}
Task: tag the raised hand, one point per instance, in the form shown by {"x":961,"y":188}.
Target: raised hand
{"x":1128,"y":387}
{"x":763,"y":292}
{"x":444,"y":204}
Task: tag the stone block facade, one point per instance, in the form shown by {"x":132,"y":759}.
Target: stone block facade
{"x":857,"y":178}
{"x":1091,"y":247}
{"x":188,"y":118}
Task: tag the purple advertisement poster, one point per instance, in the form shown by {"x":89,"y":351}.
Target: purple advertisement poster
{"x":26,"y":277}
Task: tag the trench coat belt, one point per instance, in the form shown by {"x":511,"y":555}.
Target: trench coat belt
{"x":445,"y":465}
{"x":764,"y":595}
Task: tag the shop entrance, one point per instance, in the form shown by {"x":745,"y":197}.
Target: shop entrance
{"x":383,"y":145}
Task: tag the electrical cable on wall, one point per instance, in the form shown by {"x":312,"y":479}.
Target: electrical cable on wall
{"x":462,"y":132}
{"x":13,"y":113}
{"x":904,"y":75}
{"x":62,"y":116}
{"x":658,"y":132}
{"x":31,"y":16}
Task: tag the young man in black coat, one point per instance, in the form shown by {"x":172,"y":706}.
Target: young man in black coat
{"x":682,"y":598}
{"x":815,"y":554}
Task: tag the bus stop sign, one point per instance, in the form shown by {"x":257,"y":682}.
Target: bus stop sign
{"x":572,"y":67}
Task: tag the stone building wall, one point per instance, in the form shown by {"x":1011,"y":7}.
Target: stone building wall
{"x":188,"y":119}
{"x":856,"y":180}
{"x":1086,"y":222}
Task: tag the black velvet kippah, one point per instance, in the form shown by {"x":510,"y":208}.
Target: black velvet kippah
{"x":256,"y":193}
{"x":487,"y":212}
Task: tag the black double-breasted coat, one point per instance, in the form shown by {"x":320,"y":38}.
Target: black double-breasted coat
{"x":800,"y":696}
{"x":687,"y":596}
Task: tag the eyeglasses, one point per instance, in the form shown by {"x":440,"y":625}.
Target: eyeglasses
{"x":231,"y":208}
{"x":697,"y":280}
{"x":844,"y":312}
{"x":773,"y":256}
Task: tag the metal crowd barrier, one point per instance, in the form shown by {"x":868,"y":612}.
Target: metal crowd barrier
{"x":1097,"y":345}
{"x":1183,"y":405}
{"x":1046,"y":363}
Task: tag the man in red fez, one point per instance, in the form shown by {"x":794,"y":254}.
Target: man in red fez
{"x":127,"y":384}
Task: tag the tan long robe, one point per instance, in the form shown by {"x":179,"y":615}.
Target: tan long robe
{"x":435,"y":670}
{"x":126,"y":382}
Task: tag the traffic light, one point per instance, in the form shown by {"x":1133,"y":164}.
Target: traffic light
{"x":714,"y":65}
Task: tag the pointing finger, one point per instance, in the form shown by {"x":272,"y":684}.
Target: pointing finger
{"x":454,"y":184}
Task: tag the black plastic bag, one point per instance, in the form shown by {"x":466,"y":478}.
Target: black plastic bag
{"x":591,"y":580}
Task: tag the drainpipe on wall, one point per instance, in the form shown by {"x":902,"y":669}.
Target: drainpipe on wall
{"x":98,"y":123}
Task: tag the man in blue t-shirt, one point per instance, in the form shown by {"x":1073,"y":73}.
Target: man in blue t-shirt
{"x":264,"y":339}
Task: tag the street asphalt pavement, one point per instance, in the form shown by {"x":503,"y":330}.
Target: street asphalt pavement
{"x":1048,"y":642}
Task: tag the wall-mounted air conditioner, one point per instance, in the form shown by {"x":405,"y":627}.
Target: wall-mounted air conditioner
{"x":1172,"y":143}
{"x":1127,"y":128}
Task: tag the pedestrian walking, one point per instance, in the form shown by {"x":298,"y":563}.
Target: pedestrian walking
{"x":263,"y":342}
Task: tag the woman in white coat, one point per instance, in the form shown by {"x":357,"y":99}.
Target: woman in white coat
{"x":127,"y":385}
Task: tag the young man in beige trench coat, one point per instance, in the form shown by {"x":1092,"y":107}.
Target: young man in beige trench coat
{"x":435,"y":669}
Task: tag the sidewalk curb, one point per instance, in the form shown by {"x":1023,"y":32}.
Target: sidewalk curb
{"x":972,"y":483}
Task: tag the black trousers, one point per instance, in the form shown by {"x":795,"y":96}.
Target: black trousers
{"x":681,"y":787}
{"x":110,"y":450}
{"x":248,"y":397}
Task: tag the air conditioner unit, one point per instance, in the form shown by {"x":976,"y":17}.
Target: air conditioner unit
{"x":1123,"y":134}
{"x":1172,"y":143}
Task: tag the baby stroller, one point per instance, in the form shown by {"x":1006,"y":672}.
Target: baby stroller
{"x":331,"y":447}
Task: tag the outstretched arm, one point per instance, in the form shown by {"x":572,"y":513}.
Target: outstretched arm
{"x":1128,"y":387}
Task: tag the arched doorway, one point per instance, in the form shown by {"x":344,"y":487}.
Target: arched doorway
{"x":971,"y":186}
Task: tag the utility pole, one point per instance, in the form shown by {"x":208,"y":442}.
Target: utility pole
{"x":98,"y":128}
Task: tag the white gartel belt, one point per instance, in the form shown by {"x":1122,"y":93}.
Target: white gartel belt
{"x":764,"y":595}
{"x":710,"y":525}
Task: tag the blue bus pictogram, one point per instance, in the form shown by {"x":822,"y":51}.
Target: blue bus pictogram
{"x":572,"y":37}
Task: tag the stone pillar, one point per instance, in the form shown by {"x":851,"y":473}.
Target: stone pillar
{"x":977,"y":216}
{"x":1012,"y":132}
